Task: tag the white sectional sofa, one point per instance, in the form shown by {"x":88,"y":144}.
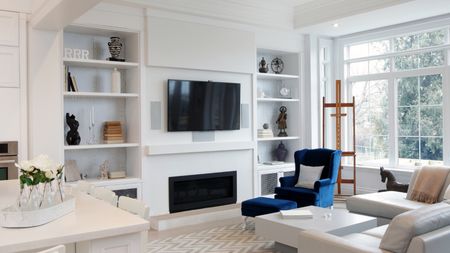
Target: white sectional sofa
{"x":424,"y":230}
{"x":387,"y":205}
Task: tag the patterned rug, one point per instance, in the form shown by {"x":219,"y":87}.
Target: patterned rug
{"x":227,"y":239}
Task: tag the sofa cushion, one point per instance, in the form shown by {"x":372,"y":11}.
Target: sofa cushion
{"x":382,"y":204}
{"x":376,"y":232}
{"x":261,"y":205}
{"x":407,"y":225}
{"x":306,"y":194}
{"x":308,"y":176}
{"x":366,"y":240}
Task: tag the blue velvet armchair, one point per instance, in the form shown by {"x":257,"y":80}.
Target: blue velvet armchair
{"x":323,"y":192}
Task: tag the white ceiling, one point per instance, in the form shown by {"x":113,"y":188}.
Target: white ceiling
{"x":373,"y":19}
{"x":305,"y":16}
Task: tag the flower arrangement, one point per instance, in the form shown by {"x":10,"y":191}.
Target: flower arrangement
{"x":40,"y":182}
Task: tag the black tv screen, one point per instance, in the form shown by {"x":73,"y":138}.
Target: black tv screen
{"x":203,"y":106}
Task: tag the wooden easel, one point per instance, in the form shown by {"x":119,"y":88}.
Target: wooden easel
{"x":338,"y":105}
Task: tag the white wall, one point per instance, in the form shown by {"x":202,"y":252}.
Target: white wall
{"x":45,"y":89}
{"x":369,"y":180}
{"x":23,"y":6}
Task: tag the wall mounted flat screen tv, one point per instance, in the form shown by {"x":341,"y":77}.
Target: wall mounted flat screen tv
{"x":203,"y":106}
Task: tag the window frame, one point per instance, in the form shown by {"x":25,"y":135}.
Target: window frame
{"x":342,"y":72}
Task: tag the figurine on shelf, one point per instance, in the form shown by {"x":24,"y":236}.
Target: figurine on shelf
{"x":104,"y":168}
{"x":115,"y":46}
{"x":73,"y":137}
{"x":281,"y":152}
{"x":281,"y":121}
{"x":263,"y":66}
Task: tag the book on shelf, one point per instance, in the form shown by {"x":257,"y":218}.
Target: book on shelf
{"x":66,"y":79}
{"x":113,"y":123}
{"x":71,"y":83}
{"x":74,"y":83}
{"x":113,"y":141}
{"x":112,"y":132}
{"x":296,"y":214}
{"x":265,"y":133}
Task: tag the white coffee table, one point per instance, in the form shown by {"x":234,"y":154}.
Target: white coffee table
{"x":285,"y":231}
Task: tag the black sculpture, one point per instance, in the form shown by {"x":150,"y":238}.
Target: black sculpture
{"x":73,"y":137}
{"x":392,"y":184}
{"x":281,"y":121}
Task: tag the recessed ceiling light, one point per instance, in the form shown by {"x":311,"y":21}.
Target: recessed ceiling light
{"x":335,"y":25}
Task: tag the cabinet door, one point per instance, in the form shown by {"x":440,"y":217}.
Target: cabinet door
{"x":9,"y":28}
{"x":9,"y":66}
{"x":9,"y":114}
{"x":128,"y":243}
{"x":267,"y":181}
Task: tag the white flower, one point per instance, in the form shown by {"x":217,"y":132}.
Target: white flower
{"x":25,"y":165}
{"x":49,"y":174}
{"x":43,"y":163}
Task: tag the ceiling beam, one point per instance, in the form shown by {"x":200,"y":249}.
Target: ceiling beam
{"x":56,"y":14}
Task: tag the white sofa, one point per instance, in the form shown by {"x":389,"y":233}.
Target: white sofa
{"x":425,"y":230}
{"x":387,"y":205}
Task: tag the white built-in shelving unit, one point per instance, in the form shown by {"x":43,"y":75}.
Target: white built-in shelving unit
{"x":95,"y":100}
{"x":268,"y":102}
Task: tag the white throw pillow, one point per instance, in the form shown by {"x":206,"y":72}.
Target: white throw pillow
{"x":404,"y":227}
{"x":308,"y":176}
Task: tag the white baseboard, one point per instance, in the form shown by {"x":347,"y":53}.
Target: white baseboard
{"x":195,"y":217}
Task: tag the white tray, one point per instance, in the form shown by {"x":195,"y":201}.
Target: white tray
{"x":10,"y":217}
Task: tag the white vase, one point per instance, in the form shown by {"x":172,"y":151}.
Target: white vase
{"x":115,"y":80}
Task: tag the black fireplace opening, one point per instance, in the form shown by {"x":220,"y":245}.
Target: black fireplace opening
{"x":201,"y":191}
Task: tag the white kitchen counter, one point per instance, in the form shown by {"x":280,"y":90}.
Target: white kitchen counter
{"x":91,"y":221}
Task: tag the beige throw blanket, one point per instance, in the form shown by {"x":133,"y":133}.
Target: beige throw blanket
{"x":429,"y":183}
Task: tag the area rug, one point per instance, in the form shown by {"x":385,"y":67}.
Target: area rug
{"x":226,"y":239}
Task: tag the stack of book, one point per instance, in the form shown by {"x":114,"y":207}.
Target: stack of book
{"x":112,"y":132}
{"x":265,"y":133}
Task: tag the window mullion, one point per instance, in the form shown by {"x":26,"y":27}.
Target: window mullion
{"x":446,"y":116}
{"x":419,"y":119}
{"x":392,"y":117}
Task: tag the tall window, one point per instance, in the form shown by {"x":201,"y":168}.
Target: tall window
{"x":398,"y":83}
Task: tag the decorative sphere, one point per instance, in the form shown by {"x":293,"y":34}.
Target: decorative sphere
{"x":266,"y":126}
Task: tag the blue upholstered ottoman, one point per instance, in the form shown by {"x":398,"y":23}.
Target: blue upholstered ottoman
{"x":261,"y":205}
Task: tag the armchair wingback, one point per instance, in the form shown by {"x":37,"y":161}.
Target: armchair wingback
{"x":323,"y":192}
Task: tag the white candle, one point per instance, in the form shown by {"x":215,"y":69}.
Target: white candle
{"x":93,"y":116}
{"x":90,"y":118}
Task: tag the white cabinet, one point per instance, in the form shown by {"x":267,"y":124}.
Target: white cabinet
{"x":9,"y":66}
{"x":93,"y":103}
{"x":127,"y":243}
{"x":276,"y":90}
{"x":268,"y":177}
{"x":10,"y":114}
{"x":9,"y":27}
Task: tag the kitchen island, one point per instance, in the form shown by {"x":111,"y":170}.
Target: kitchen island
{"x":95,"y":226}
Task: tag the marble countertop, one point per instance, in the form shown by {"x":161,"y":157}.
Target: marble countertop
{"x":92,"y":219}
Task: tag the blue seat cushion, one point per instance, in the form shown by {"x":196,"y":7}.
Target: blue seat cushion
{"x":297,"y":192}
{"x":261,"y":205}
